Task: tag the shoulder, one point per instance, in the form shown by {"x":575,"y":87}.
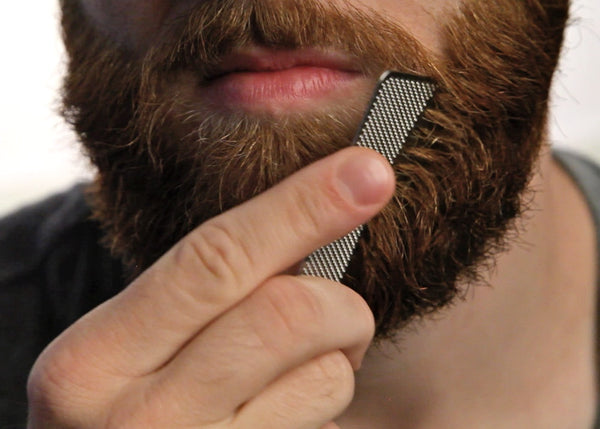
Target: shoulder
{"x":52,"y":270}
{"x":52,"y":250}
{"x":585,"y":172}
{"x":28,"y":235}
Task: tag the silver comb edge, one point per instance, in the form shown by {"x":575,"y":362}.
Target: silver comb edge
{"x":397,"y":104}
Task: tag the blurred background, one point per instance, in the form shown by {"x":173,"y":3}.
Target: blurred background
{"x":38,"y":153}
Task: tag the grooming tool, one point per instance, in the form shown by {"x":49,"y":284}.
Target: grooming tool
{"x":398,"y":102}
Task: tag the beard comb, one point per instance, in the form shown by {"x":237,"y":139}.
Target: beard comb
{"x":398,"y":102}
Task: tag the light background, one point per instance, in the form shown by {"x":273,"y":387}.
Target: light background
{"x":38,"y":154}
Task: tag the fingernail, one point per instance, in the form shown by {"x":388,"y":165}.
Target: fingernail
{"x":364,"y":178}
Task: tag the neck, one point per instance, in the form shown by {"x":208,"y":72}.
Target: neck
{"x":517,"y":351}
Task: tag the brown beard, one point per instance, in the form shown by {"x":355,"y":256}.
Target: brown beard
{"x":166,"y":163}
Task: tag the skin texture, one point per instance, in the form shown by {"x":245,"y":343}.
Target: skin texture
{"x":212,"y":335}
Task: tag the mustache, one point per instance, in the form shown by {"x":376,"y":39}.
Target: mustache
{"x":201,"y":36}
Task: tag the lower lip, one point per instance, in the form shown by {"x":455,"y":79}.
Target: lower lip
{"x":277,"y":91}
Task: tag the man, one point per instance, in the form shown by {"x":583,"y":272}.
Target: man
{"x":219,"y":129}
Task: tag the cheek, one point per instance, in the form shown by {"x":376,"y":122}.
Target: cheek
{"x":130,"y":22}
{"x":424,"y":19}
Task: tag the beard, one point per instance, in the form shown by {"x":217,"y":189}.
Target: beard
{"x":166,"y":162}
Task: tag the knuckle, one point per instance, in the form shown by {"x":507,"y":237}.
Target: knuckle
{"x":53,"y":385}
{"x":122,"y":418}
{"x":323,"y":386}
{"x":290,"y":313}
{"x":43,"y":388}
{"x":214,"y":250}
{"x":295,"y":305}
{"x":309,"y":210}
{"x":138,"y":409}
{"x":363,"y":315}
{"x":152,"y":404}
{"x":334,"y":375}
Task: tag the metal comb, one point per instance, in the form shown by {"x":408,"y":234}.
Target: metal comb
{"x":397,"y":104}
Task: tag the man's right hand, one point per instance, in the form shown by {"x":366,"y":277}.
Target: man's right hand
{"x":213,"y":335}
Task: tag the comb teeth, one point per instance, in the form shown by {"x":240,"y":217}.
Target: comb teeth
{"x":331,"y":261}
{"x":398,"y":103}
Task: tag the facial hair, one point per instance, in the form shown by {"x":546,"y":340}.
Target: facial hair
{"x":166,"y":162}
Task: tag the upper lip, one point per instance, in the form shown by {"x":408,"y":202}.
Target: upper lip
{"x":264,"y":60}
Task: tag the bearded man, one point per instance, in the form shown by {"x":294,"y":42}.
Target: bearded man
{"x":219,"y":130}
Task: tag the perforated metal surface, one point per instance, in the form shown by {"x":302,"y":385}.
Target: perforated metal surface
{"x":397,"y":104}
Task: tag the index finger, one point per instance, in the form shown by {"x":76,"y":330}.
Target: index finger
{"x":225,"y":259}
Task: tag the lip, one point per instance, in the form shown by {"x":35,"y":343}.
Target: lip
{"x":275,"y":81}
{"x":271,"y":60}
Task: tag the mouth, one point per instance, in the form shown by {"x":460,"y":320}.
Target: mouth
{"x":278,"y":81}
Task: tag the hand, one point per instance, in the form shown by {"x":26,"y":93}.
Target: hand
{"x":212,"y":335}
